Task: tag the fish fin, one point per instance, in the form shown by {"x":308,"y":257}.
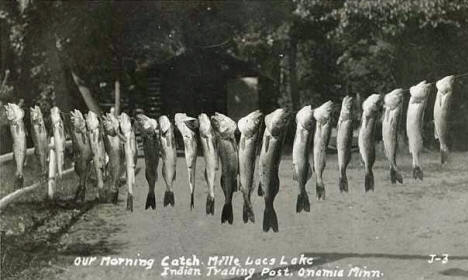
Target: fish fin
{"x":369,"y":181}
{"x":443,"y":155}
{"x":150,"y":201}
{"x":227,"y":215}
{"x":395,"y":176}
{"x":248,"y":213}
{"x":270,"y":220}
{"x":192,"y":198}
{"x":320,"y":191}
{"x":169,"y":198}
{"x":417,"y":173}
{"x":130,"y":202}
{"x":260,"y":189}
{"x":343,"y":183}
{"x":302,"y":203}
{"x":210,"y":202}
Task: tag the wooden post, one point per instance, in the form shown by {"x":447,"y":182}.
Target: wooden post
{"x":117,"y":98}
{"x":52,"y":171}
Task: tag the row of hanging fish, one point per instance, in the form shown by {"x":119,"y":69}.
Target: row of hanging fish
{"x":114,"y":136}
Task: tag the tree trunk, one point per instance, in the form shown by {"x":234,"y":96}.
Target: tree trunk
{"x":86,"y":94}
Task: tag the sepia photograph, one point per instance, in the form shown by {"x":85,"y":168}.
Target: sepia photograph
{"x":240,"y":140}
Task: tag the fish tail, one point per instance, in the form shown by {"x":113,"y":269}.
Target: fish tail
{"x":444,"y":155}
{"x":369,"y":181}
{"x":343,"y":183}
{"x":150,"y":200}
{"x":169,"y":198}
{"x":395,"y":176}
{"x":115,"y":196}
{"x":130,"y":202}
{"x":320,"y":190}
{"x":260,"y":191}
{"x":210,"y":202}
{"x":248,"y":213}
{"x":302,"y":203}
{"x":226,"y":214}
{"x":270,"y":220}
{"x":417,"y":173}
{"x":19,"y":181}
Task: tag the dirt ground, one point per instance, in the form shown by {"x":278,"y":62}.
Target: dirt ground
{"x":392,"y":230}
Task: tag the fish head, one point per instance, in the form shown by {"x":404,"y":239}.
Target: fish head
{"x":92,"y":120}
{"x":78,"y":120}
{"x":110,"y":124}
{"x":223,"y":125}
{"x":445,"y":84}
{"x":393,"y":99}
{"x":146,"y":124}
{"x":36,"y":115}
{"x":277,"y":121}
{"x":14,"y":112}
{"x":164,"y":124}
{"x":55,"y":115}
{"x":125,"y":123}
{"x":323,"y":112}
{"x":250,"y":124}
{"x":305,"y":117}
{"x":205,"y":125}
{"x":372,"y":104}
{"x":420,"y":92}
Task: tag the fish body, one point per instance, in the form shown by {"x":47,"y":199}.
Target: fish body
{"x":210,"y":154}
{"x":150,"y":133}
{"x":227,"y":150}
{"x":15,"y":117}
{"x":82,"y":152}
{"x":321,"y":139}
{"x":40,"y":138}
{"x":168,"y":157}
{"x":276,"y":124}
{"x":113,"y":144}
{"x":95,"y":136}
{"x":392,"y":113}
{"x":441,"y":110}
{"x":130,"y":155}
{"x":249,"y":127}
{"x":414,"y":124}
{"x":344,"y":140}
{"x":188,"y":127}
{"x":305,"y":125}
{"x":59,"y":138}
{"x":366,"y":140}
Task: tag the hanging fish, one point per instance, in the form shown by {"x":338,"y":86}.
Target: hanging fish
{"x":276,"y":124}
{"x":130,"y":155}
{"x":97,"y":147}
{"x":321,"y":139}
{"x":188,"y":127}
{"x":150,"y":134}
{"x":305,"y":125}
{"x":169,"y":157}
{"x":15,"y":117}
{"x":441,"y":114}
{"x":82,"y":152}
{"x":414,"y":124}
{"x":249,"y":127}
{"x":366,"y":141}
{"x":40,"y":139}
{"x":113,"y":143}
{"x":344,"y":140}
{"x":392,"y":104}
{"x":227,"y":150}
{"x":210,"y":154}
